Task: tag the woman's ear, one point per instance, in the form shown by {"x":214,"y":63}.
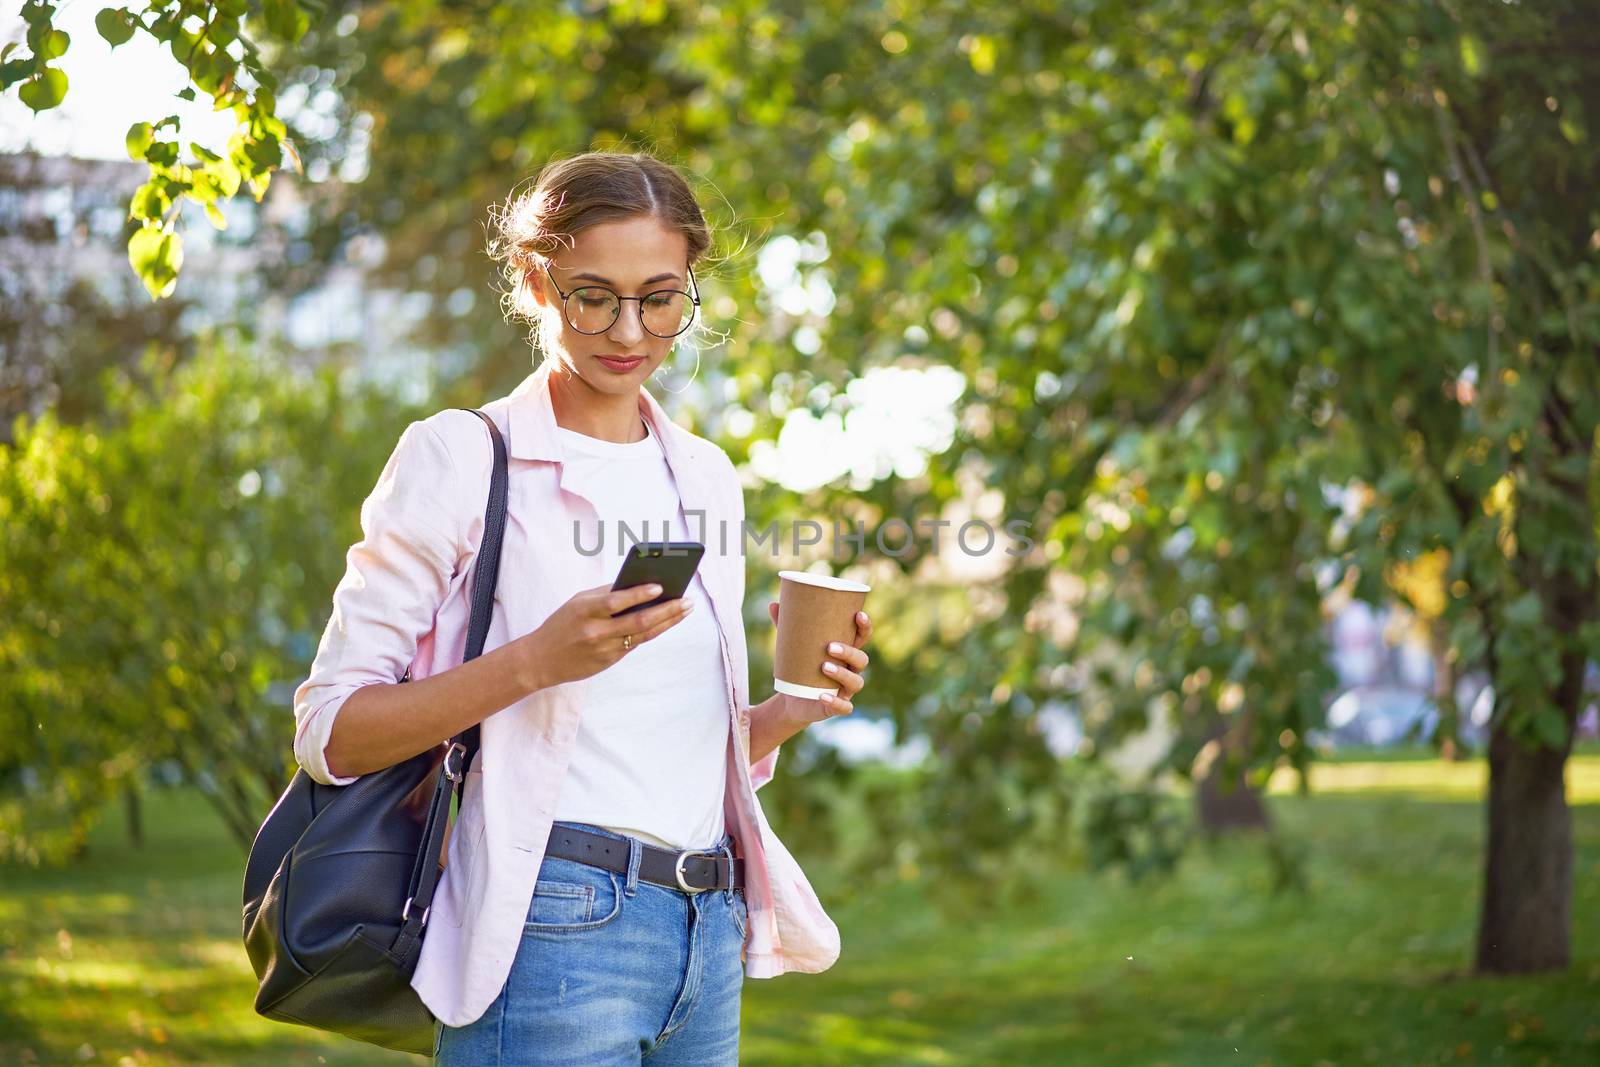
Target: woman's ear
{"x":533,"y":283}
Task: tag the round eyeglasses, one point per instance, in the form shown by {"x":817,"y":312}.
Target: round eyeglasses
{"x":593,"y":309}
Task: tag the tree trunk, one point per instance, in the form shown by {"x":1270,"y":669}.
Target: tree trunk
{"x":1444,"y":692}
{"x":1526,"y":920}
{"x":1527,"y":898}
{"x":134,"y":812}
{"x":1238,"y":809}
{"x":1226,"y":803}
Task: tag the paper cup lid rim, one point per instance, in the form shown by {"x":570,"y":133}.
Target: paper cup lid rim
{"x":827,"y":581}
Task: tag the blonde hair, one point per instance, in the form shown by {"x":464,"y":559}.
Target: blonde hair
{"x":570,"y":195}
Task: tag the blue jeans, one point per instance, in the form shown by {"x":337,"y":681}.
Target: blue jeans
{"x":612,"y":970}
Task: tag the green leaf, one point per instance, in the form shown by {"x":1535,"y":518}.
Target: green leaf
{"x":54,"y":45}
{"x":186,"y":93}
{"x":140,"y":134}
{"x":982,"y":55}
{"x":157,"y":256}
{"x":285,"y":19}
{"x":1471,"y":54}
{"x":162,"y":153}
{"x":217,"y":218}
{"x":218,"y":70}
{"x":36,"y":13}
{"x":16,"y":70}
{"x":214,"y":183}
{"x":150,"y":201}
{"x":203,"y":190}
{"x":202,"y":69}
{"x":1571,"y":126}
{"x":115,"y":25}
{"x":1589,"y":639}
{"x":227,"y":176}
{"x":264,"y":152}
{"x":1526,"y":611}
{"x":163,"y":27}
{"x":1550,"y":726}
{"x":45,"y":90}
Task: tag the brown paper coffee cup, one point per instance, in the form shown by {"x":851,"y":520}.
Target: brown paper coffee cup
{"x":814,"y":610}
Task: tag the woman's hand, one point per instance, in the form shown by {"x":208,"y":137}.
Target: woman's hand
{"x":581,"y":638}
{"x":844,"y":664}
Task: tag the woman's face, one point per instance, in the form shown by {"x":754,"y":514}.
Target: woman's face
{"x":633,"y":257}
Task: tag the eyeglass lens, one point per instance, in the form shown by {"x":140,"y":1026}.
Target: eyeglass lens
{"x":665,"y":313}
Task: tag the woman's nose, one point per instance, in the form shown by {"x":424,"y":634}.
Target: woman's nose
{"x":629,"y":327}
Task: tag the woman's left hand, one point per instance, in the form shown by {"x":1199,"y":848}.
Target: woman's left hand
{"x":844,"y":664}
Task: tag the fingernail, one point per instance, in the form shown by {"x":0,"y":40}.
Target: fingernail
{"x":688,"y":605}
{"x":653,"y":590}
{"x":830,"y":668}
{"x":825,"y":698}
{"x":836,"y":648}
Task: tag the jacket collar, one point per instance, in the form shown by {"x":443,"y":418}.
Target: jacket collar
{"x":533,"y":418}
{"x":532,"y":423}
{"x":533,"y":429}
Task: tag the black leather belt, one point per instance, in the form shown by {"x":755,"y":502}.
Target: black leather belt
{"x":691,"y":870}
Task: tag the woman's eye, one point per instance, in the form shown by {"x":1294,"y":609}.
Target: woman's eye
{"x":659,"y":300}
{"x":594,"y":301}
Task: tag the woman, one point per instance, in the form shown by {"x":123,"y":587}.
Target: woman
{"x":611,"y":878}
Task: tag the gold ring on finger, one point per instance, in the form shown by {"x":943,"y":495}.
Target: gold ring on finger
{"x":627,"y":642}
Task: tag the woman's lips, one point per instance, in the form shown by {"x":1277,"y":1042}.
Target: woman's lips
{"x":620,"y":364}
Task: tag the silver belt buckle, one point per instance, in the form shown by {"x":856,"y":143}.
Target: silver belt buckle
{"x":677,"y":870}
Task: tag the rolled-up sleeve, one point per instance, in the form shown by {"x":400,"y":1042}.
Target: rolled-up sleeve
{"x":396,"y":577}
{"x":761,"y":770}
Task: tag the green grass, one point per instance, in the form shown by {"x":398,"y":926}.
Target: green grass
{"x":132,"y":956}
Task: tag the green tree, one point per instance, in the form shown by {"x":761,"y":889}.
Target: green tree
{"x":1204,"y":268}
{"x":171,"y":565}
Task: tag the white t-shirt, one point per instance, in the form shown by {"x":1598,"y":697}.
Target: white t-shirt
{"x":650,"y":756}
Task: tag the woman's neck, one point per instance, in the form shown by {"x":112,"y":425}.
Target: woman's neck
{"x":607,"y":416}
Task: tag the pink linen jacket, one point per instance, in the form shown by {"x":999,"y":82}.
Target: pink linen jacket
{"x":404,"y":601}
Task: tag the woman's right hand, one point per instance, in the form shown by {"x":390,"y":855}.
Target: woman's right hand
{"x":581,"y":638}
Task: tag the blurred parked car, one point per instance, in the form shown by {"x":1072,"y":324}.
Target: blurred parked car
{"x":1380,"y":715}
{"x":1383,"y":715}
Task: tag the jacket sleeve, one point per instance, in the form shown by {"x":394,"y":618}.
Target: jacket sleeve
{"x":396,"y":577}
{"x":762,"y":770}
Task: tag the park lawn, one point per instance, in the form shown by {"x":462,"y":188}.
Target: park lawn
{"x":133,"y":956}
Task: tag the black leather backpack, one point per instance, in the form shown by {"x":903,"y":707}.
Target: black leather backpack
{"x":340,"y":878}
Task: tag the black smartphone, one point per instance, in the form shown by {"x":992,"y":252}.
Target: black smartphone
{"x":671,"y":564}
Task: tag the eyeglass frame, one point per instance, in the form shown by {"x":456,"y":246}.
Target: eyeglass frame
{"x":693,"y":293}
